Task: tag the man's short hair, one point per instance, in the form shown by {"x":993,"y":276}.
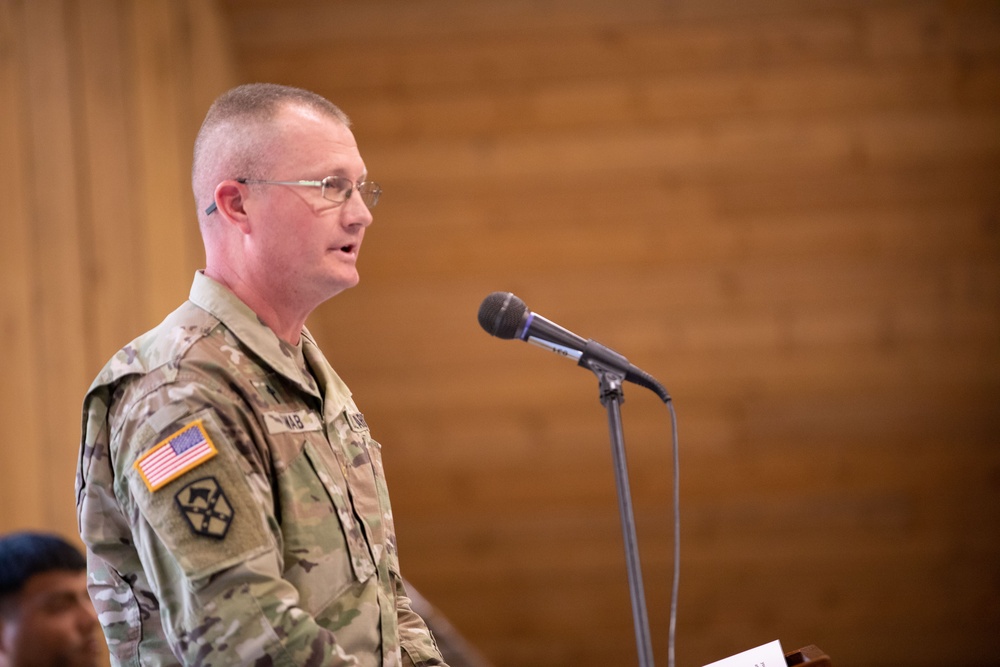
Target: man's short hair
{"x":261,"y":101}
{"x":23,"y":555}
{"x":234,"y":136}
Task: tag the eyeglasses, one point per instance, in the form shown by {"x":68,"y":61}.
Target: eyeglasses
{"x":337,"y":189}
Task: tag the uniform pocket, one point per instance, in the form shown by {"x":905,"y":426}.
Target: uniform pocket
{"x":324,"y":549}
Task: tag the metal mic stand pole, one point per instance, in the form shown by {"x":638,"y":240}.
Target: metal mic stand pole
{"x":612,"y":398}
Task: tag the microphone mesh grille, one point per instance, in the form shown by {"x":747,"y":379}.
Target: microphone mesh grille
{"x":501,"y":314}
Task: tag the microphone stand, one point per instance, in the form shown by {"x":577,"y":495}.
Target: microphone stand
{"x":612,"y":397}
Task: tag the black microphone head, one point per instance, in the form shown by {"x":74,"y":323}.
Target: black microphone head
{"x":501,"y":314}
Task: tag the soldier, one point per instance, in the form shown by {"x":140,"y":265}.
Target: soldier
{"x":46,"y":618}
{"x":230,"y":494}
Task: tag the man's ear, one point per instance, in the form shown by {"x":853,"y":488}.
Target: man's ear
{"x":230,"y":198}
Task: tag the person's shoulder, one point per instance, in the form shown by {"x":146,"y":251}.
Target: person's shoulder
{"x":161,"y":349}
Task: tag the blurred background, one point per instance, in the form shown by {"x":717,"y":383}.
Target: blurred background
{"x":786,"y":211}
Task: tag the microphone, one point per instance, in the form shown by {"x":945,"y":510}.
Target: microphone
{"x":505,"y":316}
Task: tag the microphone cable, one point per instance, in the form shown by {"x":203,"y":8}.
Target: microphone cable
{"x":672,"y":633}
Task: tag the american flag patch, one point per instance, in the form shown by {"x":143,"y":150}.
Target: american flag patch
{"x":171,"y":458}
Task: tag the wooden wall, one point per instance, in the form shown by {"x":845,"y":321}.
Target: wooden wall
{"x":99,"y":104}
{"x":788,"y":212}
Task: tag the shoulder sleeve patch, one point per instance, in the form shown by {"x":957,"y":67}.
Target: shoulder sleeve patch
{"x":178,"y":453}
{"x":206,"y":507}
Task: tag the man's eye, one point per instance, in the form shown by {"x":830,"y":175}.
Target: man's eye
{"x":339,"y":184}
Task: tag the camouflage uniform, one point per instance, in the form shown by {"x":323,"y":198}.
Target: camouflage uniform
{"x":234,"y":505}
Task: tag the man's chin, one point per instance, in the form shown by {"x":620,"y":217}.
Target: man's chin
{"x":333,"y":288}
{"x":345,"y":280}
{"x":87,"y":655}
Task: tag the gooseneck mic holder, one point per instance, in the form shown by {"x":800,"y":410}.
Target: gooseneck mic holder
{"x":504,"y":315}
{"x":612,"y":397}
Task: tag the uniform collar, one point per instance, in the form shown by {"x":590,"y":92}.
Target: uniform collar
{"x":336,"y":395}
{"x":243,"y":322}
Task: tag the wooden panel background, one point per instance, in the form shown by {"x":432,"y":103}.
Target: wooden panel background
{"x":788,"y":212}
{"x":100,"y":104}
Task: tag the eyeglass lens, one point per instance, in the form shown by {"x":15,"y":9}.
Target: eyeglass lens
{"x":338,"y":189}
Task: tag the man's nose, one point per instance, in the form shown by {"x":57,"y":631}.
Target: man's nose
{"x":87,"y":615}
{"x":357,"y":212}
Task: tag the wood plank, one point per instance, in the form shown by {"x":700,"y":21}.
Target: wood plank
{"x":727,"y":149}
{"x":777,"y":303}
{"x":732,"y":373}
{"x":557,"y":46}
{"x":213,"y":69}
{"x":55,"y":246}
{"x":536,"y":54}
{"x":484,"y":206}
{"x":573,"y":233}
{"x":164,"y":146}
{"x":590,"y":102}
{"x":310,"y":22}
{"x":23,"y":466}
{"x":932,"y":30}
{"x":111,"y":218}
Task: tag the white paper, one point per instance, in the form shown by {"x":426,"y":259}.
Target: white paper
{"x":768,"y":655}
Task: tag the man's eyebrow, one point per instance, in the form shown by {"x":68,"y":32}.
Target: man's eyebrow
{"x":58,"y":597}
{"x":342,"y":172}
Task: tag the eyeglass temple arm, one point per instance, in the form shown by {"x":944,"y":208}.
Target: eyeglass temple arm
{"x":213,"y":208}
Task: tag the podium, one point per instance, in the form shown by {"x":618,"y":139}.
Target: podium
{"x":808,"y":656}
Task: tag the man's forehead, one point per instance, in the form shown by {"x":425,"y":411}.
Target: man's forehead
{"x":294,"y":107}
{"x":323,"y":145}
{"x":54,"y":582}
{"x":308,"y":119}
{"x":297,"y":117}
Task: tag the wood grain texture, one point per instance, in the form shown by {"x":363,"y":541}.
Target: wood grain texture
{"x":788,"y":213}
{"x":54,"y":224}
{"x":21,"y":492}
{"x":100,"y":241}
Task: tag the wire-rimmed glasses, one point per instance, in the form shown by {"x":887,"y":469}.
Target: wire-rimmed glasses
{"x":337,"y":189}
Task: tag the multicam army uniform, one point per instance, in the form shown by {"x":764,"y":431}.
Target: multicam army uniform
{"x":234,"y":505}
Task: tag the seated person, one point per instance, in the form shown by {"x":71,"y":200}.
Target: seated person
{"x":46,"y":617}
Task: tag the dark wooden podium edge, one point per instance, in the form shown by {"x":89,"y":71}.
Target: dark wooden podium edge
{"x":808,"y":656}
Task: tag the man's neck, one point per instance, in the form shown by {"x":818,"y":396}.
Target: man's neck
{"x":281,"y":316}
